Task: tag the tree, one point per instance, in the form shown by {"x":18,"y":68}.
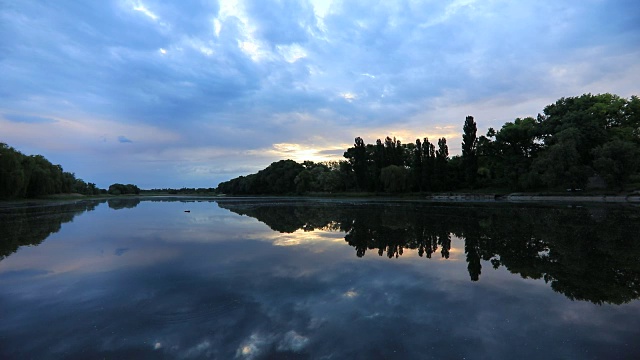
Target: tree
{"x":442,"y":157}
{"x":12,"y":175}
{"x":394,"y":178}
{"x":469,"y":151}
{"x":615,"y":161}
{"x":31,"y":176}
{"x":303,"y":181}
{"x":428,"y":165}
{"x":357,"y":156}
{"x":560,"y":165}
{"x":416,"y":166}
{"x":121,"y":189}
{"x":591,"y":116}
{"x":516,"y":146}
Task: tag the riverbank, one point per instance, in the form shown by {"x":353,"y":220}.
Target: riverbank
{"x":530,"y":197}
{"x":631,"y":198}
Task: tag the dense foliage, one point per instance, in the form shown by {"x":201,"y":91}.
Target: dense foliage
{"x":23,"y":176}
{"x":181,"y":191}
{"x":590,"y":140}
{"x":121,"y":189}
{"x":278,"y":178}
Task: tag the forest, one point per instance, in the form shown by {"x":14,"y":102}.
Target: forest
{"x":589,"y":141}
{"x":33,"y":176}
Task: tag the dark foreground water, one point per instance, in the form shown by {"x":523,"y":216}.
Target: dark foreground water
{"x":313,"y":279}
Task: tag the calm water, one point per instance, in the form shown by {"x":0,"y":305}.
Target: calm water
{"x":299,"y":279}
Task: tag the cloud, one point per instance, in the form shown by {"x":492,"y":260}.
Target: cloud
{"x":248,"y":74}
{"x":28,"y":119}
{"x":121,"y":251}
{"x":283,"y":22}
{"x":123,"y":139}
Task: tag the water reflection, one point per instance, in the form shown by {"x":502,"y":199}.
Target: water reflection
{"x":123,"y":203}
{"x":30,"y":225}
{"x":584,"y":253}
{"x":156,"y":282}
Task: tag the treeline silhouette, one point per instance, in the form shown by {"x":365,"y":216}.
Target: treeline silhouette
{"x":181,"y":191}
{"x":121,"y":189}
{"x":584,"y":253}
{"x":23,"y":176}
{"x":576,"y":141}
{"x":34,"y":176}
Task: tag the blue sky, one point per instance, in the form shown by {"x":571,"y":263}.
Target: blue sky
{"x":191,"y":93}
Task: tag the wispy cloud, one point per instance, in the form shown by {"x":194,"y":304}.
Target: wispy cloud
{"x":124,"y":139}
{"x":28,"y":119}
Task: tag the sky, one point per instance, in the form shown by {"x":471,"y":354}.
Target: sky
{"x":191,"y":93}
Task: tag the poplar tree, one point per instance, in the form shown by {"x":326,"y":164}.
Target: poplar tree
{"x":469,"y":151}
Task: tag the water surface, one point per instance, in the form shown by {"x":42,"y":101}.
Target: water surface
{"x":318,"y":279}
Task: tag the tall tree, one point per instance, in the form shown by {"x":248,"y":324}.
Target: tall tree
{"x":469,"y":151}
{"x":416,"y":166}
{"x":428,"y":164}
{"x":516,"y":146}
{"x":442,"y":157}
{"x":358,"y":158}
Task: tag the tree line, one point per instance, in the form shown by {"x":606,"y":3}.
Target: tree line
{"x":23,"y":176}
{"x":181,"y":191}
{"x":32,"y":176}
{"x":577,"y":141}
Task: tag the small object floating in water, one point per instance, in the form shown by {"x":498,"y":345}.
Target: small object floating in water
{"x":187,"y":211}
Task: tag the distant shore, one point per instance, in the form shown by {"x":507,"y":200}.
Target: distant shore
{"x":631,"y":198}
{"x":525,"y":197}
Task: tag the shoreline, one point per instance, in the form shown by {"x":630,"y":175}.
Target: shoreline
{"x":632,"y":198}
{"x":515,"y":198}
{"x":537,"y":198}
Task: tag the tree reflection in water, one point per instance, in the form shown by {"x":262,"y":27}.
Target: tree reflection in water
{"x":584,"y":253}
{"x":31,"y":225}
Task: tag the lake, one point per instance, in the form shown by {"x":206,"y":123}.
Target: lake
{"x":318,"y":279}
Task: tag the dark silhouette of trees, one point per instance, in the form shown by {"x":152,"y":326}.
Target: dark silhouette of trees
{"x":23,"y":176}
{"x":357,"y":157}
{"x":616,"y":161}
{"x":580,"y":127}
{"x":121,"y":189}
{"x":277,"y":178}
{"x":516,"y":147}
{"x":394,"y":178}
{"x":441,"y":171}
{"x":428,"y":164}
{"x":417,"y":167}
{"x":469,"y":150}
{"x":573,"y":141}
